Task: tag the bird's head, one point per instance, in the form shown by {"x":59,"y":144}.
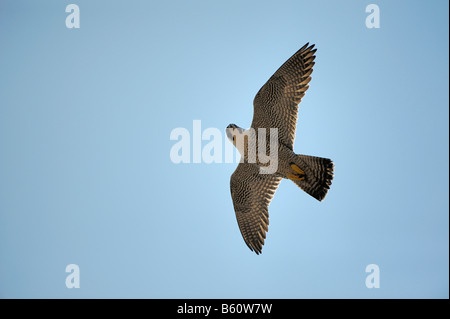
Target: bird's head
{"x":233,"y":132}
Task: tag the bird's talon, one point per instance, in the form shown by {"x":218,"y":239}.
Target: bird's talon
{"x":296,"y":177}
{"x":297,"y":169}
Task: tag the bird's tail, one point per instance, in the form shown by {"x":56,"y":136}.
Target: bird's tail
{"x":312,"y":174}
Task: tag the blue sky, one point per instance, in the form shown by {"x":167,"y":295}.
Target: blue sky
{"x":86,"y":177}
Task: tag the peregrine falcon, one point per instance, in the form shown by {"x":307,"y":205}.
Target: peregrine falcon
{"x":275,"y":106}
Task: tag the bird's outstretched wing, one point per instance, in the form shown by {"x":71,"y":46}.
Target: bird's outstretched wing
{"x":251,"y":193}
{"x":276,"y":103}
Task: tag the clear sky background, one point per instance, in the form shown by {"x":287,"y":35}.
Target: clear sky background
{"x":86,"y":177}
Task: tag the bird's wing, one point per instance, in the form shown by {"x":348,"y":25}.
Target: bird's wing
{"x":251,"y":193}
{"x":276,"y":103}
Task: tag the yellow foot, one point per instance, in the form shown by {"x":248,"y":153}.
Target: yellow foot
{"x":299,"y":173}
{"x":296,"y":177}
{"x":297,"y":169}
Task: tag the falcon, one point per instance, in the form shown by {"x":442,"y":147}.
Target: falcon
{"x":275,"y":107}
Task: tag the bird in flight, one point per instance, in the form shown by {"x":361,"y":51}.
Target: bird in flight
{"x":275,"y":107}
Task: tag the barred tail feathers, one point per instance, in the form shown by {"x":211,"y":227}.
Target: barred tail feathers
{"x":317,"y":177}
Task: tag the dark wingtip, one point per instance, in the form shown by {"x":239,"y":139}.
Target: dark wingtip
{"x":304,"y":47}
{"x":257,"y":250}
